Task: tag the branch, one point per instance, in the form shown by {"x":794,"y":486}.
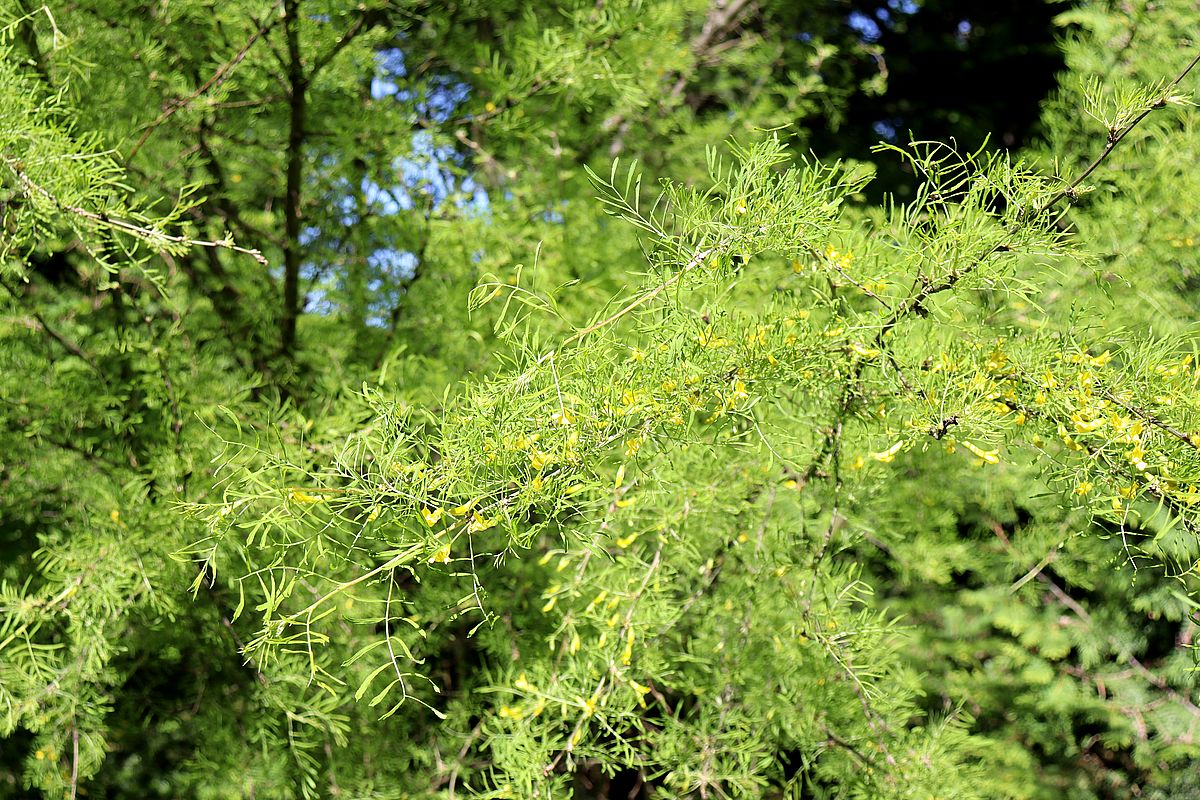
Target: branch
{"x":220,"y":76}
{"x":1114,"y":138}
{"x":68,"y":345}
{"x":151,"y":236}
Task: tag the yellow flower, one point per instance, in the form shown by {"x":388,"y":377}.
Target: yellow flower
{"x":523,"y":683}
{"x":479,"y":524}
{"x":509,"y":712}
{"x":431,"y":517}
{"x":627,"y":653}
{"x":990,"y":456}
{"x":297,"y":496}
{"x":489,"y":107}
{"x":865,"y":352}
{"x":441,"y":555}
{"x":889,"y":454}
{"x":1083,"y":488}
{"x":632,"y":446}
{"x":562,"y":417}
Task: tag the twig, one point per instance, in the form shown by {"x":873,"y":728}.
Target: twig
{"x":149,"y":235}
{"x":1114,"y":138}
{"x":220,"y":76}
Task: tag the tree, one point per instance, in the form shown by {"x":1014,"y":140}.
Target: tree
{"x":492,"y":488}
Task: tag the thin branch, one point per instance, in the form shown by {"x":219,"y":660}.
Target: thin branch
{"x":220,"y":76}
{"x":68,"y":345}
{"x":152,"y":236}
{"x":1114,"y":138}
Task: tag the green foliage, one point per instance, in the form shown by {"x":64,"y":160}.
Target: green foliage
{"x":727,"y":484}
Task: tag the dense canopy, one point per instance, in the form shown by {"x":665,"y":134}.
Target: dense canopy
{"x":605,"y":399}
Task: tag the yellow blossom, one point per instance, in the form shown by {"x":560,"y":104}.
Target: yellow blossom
{"x":441,"y":555}
{"x":641,"y":692}
{"x":889,"y":454}
{"x":996,"y":360}
{"x":479,"y":524}
{"x":632,"y":446}
{"x":1083,"y":488}
{"x":431,"y":517}
{"x":990,"y":456}
{"x":627,"y":653}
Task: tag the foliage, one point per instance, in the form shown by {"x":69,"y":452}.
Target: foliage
{"x":482,"y":464}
